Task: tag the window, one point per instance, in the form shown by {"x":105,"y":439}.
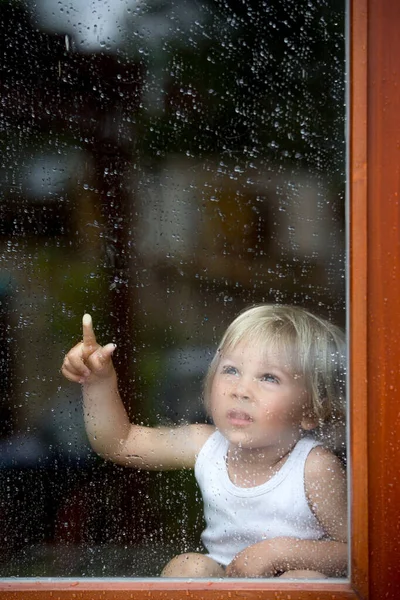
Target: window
{"x":374,"y":331}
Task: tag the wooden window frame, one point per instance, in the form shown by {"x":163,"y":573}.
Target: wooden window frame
{"x":374,"y":328}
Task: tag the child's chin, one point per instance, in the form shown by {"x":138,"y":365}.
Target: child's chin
{"x":242,"y":439}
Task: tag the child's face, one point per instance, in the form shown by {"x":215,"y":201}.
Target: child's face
{"x":256,"y":401}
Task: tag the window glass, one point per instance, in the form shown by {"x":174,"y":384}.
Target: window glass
{"x":165,"y":164}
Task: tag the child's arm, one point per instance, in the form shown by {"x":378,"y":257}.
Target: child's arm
{"x":107,"y":424}
{"x":325,"y":484}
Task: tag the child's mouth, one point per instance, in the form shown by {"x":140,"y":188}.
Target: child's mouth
{"x":239,"y":417}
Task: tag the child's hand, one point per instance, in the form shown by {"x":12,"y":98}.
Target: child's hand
{"x":254,"y":561}
{"x":88,"y":361}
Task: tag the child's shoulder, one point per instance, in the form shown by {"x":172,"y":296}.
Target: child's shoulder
{"x":322,"y":469}
{"x":320,"y":459}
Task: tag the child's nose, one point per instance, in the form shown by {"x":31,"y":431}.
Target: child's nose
{"x":243,"y":389}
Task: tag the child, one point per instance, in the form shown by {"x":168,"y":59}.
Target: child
{"x":274,"y":496}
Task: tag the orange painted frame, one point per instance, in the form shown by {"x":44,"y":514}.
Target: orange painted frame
{"x":374,"y":310}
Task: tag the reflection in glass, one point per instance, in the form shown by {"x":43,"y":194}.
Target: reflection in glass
{"x":164,"y":167}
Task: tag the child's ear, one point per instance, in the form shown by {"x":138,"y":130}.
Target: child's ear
{"x":309,"y":422}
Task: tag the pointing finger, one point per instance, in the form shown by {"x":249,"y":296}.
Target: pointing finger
{"x":89,"y":339}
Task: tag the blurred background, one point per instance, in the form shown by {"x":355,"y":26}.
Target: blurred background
{"x":164,"y":164}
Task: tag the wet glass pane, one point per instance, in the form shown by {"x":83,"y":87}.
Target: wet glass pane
{"x":165,"y":165}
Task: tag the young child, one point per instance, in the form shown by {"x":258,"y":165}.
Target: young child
{"x":274,"y":496}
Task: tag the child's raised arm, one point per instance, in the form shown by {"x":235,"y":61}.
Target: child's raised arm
{"x":107,"y":424}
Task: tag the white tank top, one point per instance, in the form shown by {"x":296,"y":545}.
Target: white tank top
{"x":238,"y":517}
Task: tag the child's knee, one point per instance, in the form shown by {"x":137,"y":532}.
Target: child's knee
{"x":192,"y":564}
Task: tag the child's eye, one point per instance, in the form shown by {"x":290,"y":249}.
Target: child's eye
{"x":270,"y":378}
{"x":229,"y":370}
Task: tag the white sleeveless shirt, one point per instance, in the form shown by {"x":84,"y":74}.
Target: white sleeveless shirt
{"x":238,"y":517}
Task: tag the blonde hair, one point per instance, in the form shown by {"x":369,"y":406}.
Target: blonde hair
{"x":312,"y":346}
